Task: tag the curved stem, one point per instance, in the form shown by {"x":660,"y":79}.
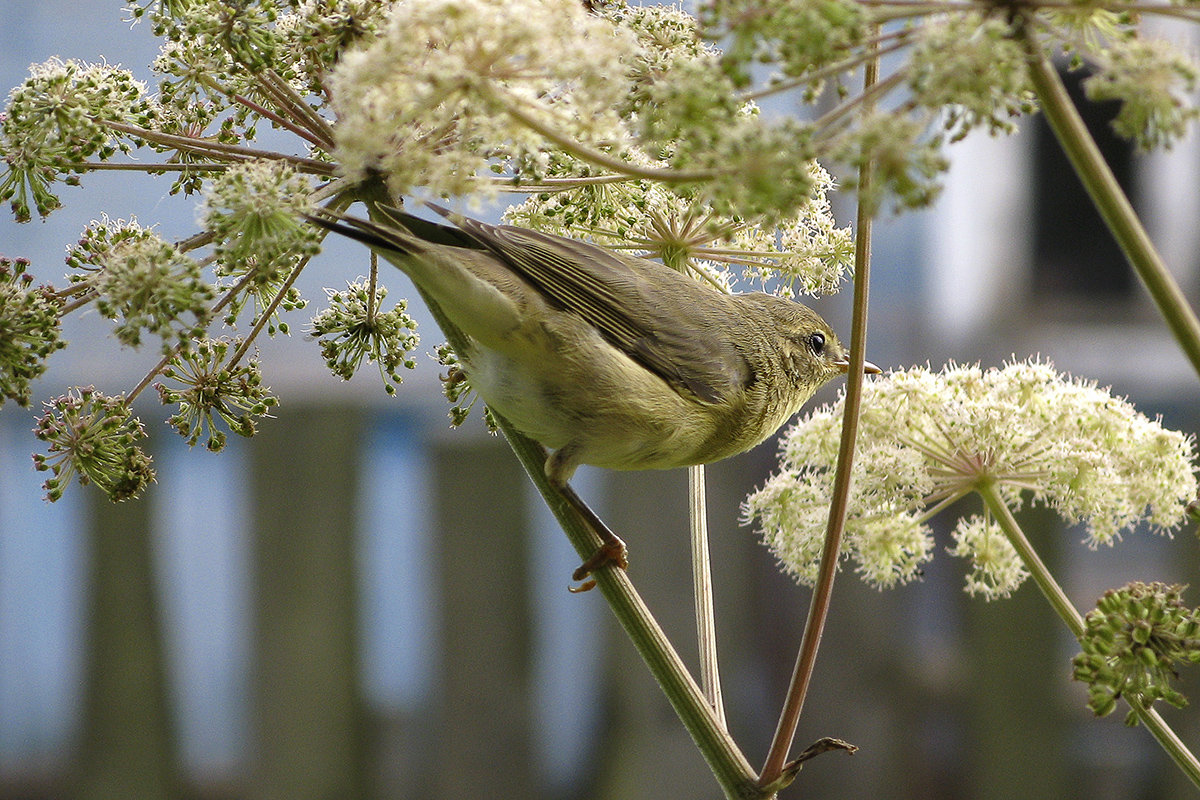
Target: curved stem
{"x":223,"y":301}
{"x":724,"y":758}
{"x":96,"y":166}
{"x":216,"y":149}
{"x":1053,"y":593}
{"x":1159,"y":729}
{"x":1109,"y":200}
{"x":818,"y":610}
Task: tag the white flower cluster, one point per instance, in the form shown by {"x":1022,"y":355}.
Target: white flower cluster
{"x":449,"y":88}
{"x":806,"y":252}
{"x":926,"y":439}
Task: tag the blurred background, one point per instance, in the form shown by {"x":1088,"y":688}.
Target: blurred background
{"x":361,"y":603}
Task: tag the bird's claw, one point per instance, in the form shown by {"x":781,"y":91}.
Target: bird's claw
{"x":613,"y":552}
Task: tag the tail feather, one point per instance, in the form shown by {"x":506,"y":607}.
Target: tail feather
{"x":397,"y":231}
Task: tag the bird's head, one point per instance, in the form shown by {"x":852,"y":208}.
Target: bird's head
{"x":808,"y":353}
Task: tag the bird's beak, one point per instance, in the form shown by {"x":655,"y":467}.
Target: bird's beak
{"x":843,"y":365}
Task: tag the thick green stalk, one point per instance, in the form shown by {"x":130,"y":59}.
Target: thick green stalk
{"x":1162,"y":732}
{"x":1037,"y":568}
{"x":1110,"y":201}
{"x":725,"y":759}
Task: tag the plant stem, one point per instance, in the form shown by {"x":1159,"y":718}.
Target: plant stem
{"x":706,"y":622}
{"x":1037,"y":568}
{"x":1109,"y":200}
{"x":215,"y":149}
{"x":517,"y":111}
{"x":724,"y":758}
{"x":818,"y":609}
{"x":1162,"y":732}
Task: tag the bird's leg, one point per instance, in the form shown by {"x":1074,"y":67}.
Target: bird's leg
{"x":559,"y":467}
{"x":611,"y":551}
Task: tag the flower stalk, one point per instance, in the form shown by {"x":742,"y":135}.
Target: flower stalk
{"x":818,"y":611}
{"x":727,"y":762}
{"x":1066,"y":611}
{"x":1110,"y":200}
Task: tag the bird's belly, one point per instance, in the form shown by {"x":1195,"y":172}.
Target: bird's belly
{"x":613,"y":412}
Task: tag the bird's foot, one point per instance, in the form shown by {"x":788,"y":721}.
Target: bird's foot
{"x":611,"y":552}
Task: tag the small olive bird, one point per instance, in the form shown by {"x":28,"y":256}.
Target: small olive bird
{"x":606,"y":358}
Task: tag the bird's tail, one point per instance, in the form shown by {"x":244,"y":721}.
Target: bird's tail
{"x":393,"y":230}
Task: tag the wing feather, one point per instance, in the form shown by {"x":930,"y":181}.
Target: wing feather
{"x":643,"y":308}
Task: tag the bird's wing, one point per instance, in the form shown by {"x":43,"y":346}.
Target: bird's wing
{"x":626,"y":299}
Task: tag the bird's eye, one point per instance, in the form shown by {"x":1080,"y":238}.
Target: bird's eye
{"x":816,"y":343}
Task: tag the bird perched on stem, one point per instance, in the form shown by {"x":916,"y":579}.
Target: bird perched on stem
{"x":606,"y":358}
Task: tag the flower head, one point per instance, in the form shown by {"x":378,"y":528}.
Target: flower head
{"x":927,"y":439}
{"x":355,"y":327}
{"x":142,"y":282}
{"x":1131,"y":644}
{"x":444,"y":90}
{"x":92,"y":435}
{"x":206,"y":385}
{"x":30,"y":329}
{"x":55,"y":121}
{"x":253,"y":211}
{"x":1153,"y":80}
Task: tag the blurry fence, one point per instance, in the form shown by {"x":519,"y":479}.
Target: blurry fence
{"x":347,"y":606}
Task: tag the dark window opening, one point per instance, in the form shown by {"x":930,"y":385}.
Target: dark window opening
{"x":1074,"y":253}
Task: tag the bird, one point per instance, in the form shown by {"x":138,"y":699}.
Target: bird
{"x":606,"y":358}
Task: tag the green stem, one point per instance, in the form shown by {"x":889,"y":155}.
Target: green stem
{"x":1162,"y":732}
{"x":1109,"y":200}
{"x":724,"y":758}
{"x":1037,"y":568}
{"x":773,"y":768}
{"x":529,"y":119}
{"x":702,"y":587}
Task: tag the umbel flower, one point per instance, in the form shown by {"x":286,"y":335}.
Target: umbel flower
{"x":1021,"y":434}
{"x":355,"y":327}
{"x":29,"y":329}
{"x":94,"y":436}
{"x":208,"y":386}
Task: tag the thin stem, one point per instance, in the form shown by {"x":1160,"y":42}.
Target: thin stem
{"x":818,"y":610}
{"x":865,"y":100}
{"x":513,"y":106}
{"x":1159,"y":729}
{"x":281,"y":121}
{"x":554,"y":184}
{"x":262,"y":111}
{"x":372,"y":300}
{"x":1109,"y":200}
{"x":76,"y":304}
{"x":1037,"y":568}
{"x":191,"y":144}
{"x":706,"y":623}
{"x":833,"y":69}
{"x":298,"y":104}
{"x":72,"y":289}
{"x":223,"y":301}
{"x":265,"y":316}
{"x":97,"y":166}
{"x":149,"y":376}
